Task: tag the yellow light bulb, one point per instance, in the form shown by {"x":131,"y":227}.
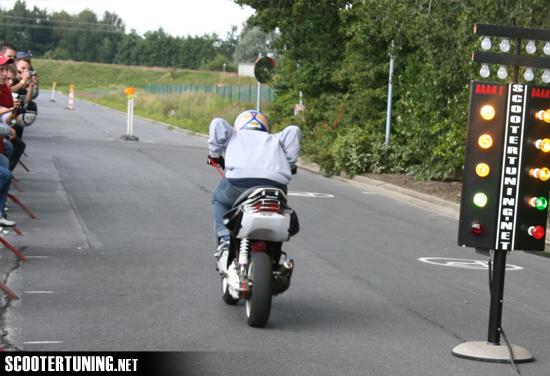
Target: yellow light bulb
{"x":543,"y":145}
{"x":482,"y":170}
{"x":542,"y":173}
{"x":485,"y":141}
{"x":487,"y":112}
{"x":543,"y":115}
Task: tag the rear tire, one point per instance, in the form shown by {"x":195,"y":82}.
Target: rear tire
{"x":258,"y":305}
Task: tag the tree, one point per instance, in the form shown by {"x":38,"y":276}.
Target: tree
{"x":227,"y":46}
{"x":28,"y":30}
{"x":252,"y":42}
{"x":126,"y":47}
{"x":337,"y":54}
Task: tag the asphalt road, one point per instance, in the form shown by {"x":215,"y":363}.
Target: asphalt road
{"x":120,"y":259}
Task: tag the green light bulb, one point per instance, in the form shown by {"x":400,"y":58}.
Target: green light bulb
{"x":480,"y":200}
{"x":541,"y":203}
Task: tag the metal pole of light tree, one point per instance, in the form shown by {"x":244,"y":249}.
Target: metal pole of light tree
{"x":390,"y":90}
{"x":259,"y":88}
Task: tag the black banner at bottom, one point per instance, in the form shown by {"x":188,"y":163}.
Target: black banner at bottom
{"x":138,"y":363}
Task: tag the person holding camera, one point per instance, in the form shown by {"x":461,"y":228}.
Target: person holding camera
{"x":26,"y":85}
{"x":10,"y":118}
{"x":27,"y":78}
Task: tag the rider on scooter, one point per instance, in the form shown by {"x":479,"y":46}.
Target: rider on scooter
{"x":253,"y":158}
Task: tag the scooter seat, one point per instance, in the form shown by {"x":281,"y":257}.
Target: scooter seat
{"x":245,"y":195}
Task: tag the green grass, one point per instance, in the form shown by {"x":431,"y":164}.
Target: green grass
{"x":192,"y":111}
{"x":105,"y":84}
{"x":89,"y":76}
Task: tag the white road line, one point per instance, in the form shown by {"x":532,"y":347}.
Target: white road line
{"x":41,"y":342}
{"x":38,"y":292}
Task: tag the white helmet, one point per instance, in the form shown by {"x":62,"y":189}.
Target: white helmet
{"x":252,"y":119}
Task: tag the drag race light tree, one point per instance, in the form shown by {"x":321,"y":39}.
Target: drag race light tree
{"x":504,"y":201}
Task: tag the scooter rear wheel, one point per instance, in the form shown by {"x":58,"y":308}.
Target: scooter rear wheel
{"x":258,"y":305}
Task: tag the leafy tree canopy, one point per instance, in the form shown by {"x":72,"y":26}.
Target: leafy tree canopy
{"x":337,"y":53}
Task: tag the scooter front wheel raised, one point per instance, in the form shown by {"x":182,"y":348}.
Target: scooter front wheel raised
{"x":258,"y":305}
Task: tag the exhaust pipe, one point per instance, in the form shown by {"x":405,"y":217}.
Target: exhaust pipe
{"x":281,"y":279}
{"x":287,"y":268}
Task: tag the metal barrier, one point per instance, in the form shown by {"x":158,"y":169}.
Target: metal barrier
{"x":234,"y":93}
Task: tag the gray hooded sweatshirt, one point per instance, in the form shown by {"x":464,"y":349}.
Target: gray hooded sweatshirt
{"x":255,"y":154}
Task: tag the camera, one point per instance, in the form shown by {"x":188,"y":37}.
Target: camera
{"x":32,"y":73}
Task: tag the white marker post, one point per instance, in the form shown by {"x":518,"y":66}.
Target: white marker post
{"x":130,"y":119}
{"x":53,"y":92}
{"x":71,"y":97}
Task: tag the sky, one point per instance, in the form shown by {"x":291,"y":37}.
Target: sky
{"x":176,"y":17}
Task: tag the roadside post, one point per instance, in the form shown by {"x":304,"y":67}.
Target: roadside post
{"x":53,"y":92}
{"x":71,"y":97}
{"x":264,"y":69}
{"x":504,"y":201}
{"x":390,"y":90}
{"x":129,"y":136}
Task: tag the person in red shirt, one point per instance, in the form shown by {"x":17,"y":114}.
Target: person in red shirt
{"x":6,"y":98}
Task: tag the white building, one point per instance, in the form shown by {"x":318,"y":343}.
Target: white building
{"x":246,"y":69}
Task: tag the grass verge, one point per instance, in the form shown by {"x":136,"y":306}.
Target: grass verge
{"x":105,"y":84}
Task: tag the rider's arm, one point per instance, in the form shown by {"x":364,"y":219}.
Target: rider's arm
{"x":220,"y":135}
{"x":290,"y":139}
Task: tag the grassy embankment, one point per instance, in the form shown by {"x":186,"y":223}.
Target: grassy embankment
{"x":105,"y":84}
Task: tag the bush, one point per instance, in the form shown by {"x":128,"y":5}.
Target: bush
{"x":356,"y":151}
{"x":217,"y":64}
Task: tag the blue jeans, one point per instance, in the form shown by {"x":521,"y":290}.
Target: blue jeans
{"x":5,"y":158}
{"x":223,"y":198}
{"x":5,"y":182}
{"x":8,"y":149}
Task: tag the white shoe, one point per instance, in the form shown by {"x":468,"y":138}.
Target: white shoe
{"x":224,"y":244}
{"x":222,"y":261}
{"x":4,"y":222}
{"x":221,"y":256}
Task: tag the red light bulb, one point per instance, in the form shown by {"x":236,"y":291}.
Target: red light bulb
{"x":536,"y":232}
{"x":478,"y":229}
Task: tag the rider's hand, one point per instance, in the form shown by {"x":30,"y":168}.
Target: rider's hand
{"x":294,"y":170}
{"x":216,"y":160}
